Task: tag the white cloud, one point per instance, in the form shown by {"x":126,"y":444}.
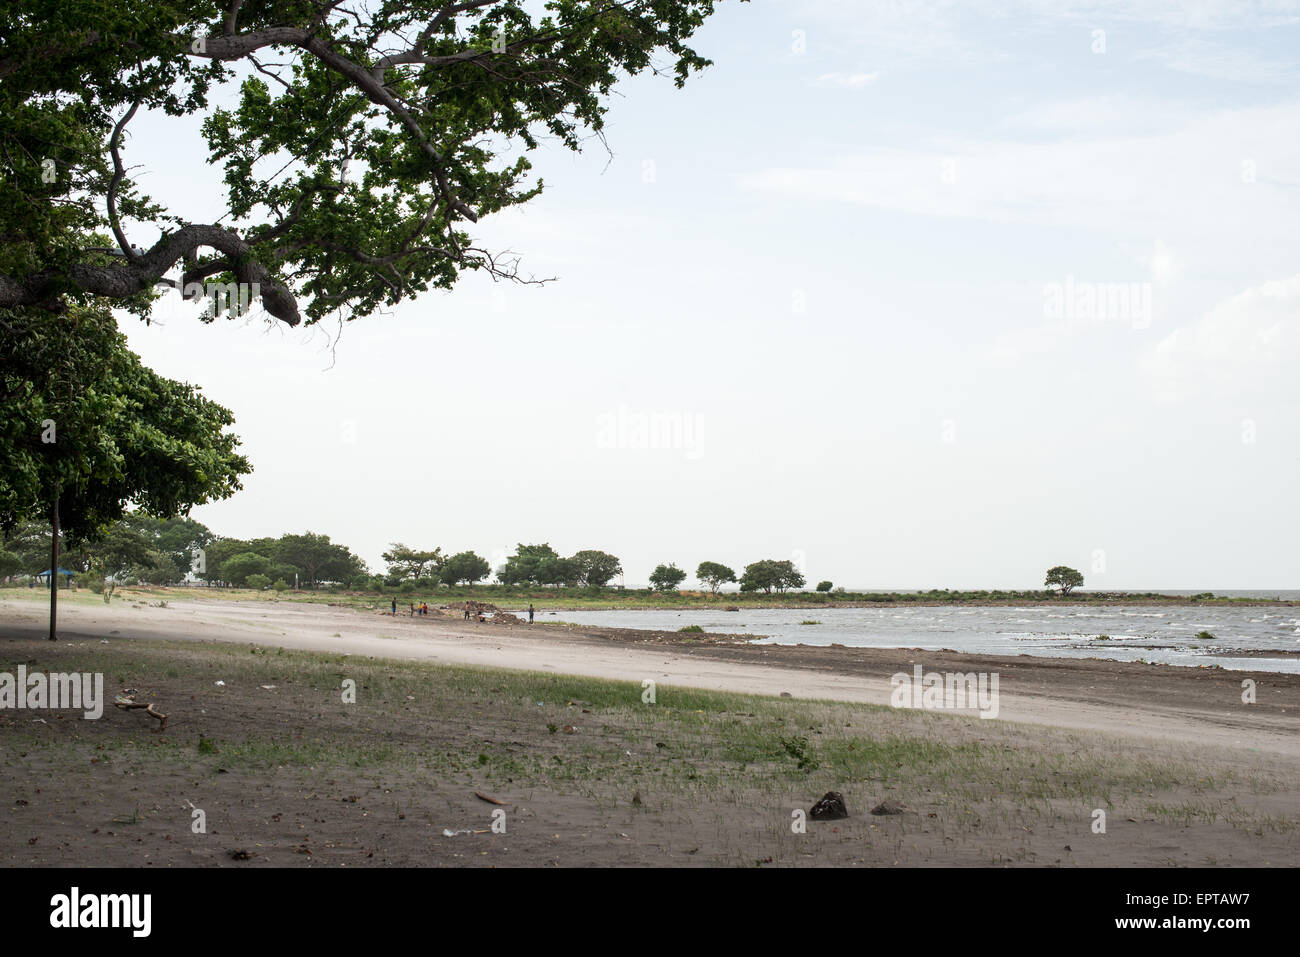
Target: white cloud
{"x":852,"y":81}
{"x":1165,"y":266}
{"x":1247,"y":343}
{"x":1199,"y":57}
{"x":1175,"y":183}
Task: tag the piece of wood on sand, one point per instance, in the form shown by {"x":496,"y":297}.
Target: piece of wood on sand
{"x":127,"y":702}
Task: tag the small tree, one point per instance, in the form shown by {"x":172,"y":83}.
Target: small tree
{"x":465,"y":567}
{"x":404,"y":562}
{"x":1063,"y":578}
{"x":666,"y":578}
{"x":768,"y":574}
{"x":521,"y":568}
{"x":113,"y":556}
{"x":10,"y":563}
{"x":237,"y":569}
{"x":258,"y":582}
{"x":825,"y":586}
{"x":715,"y":575}
{"x":598,"y":568}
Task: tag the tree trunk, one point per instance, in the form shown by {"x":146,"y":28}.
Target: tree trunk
{"x":54,"y":565}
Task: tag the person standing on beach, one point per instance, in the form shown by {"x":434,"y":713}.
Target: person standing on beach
{"x":530,"y":613}
{"x":394,"y":606}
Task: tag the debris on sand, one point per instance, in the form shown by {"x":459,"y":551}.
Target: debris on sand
{"x":830,"y":808}
{"x":487,"y":797}
{"x":888,"y":807}
{"x":126,"y":701}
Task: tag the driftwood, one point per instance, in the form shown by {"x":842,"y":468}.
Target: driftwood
{"x":127,"y":702}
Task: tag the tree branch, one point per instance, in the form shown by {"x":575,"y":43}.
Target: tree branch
{"x":122,"y":282}
{"x":118,"y":173}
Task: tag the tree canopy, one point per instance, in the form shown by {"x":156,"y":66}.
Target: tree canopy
{"x":406,"y":562}
{"x":464,"y":567}
{"x":715,"y":575}
{"x":597,"y":568}
{"x":1064,"y":578}
{"x":82,"y":415}
{"x":357,"y":144}
{"x":666,"y":577}
{"x":770,"y":574}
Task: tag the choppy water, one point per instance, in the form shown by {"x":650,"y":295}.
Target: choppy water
{"x":1150,"y":633}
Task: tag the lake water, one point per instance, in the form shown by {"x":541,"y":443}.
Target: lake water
{"x":1150,"y":633}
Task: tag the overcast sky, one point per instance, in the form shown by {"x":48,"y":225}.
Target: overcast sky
{"x":916,"y":294}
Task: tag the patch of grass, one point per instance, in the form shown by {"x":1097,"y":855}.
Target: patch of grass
{"x":799,"y":749}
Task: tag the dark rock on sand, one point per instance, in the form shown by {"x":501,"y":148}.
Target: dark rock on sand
{"x":830,"y":807}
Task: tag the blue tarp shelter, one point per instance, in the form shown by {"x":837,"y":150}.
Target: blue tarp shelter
{"x":45,"y":576}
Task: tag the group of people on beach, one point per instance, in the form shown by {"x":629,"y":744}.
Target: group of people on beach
{"x":473,"y":610}
{"x":421,"y":609}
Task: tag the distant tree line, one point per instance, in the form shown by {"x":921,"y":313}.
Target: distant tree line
{"x":141,"y":548}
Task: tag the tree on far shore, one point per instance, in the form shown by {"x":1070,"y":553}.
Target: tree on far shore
{"x":597,"y":568}
{"x":666,"y":578}
{"x":464,"y":568}
{"x":715,"y":575}
{"x":1063,"y":578}
{"x":320,"y":558}
{"x":404,"y":562}
{"x":768,"y":574}
{"x":522,"y":568}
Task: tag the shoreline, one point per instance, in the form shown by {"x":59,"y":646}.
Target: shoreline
{"x":637,"y":601}
{"x":1186,"y":704}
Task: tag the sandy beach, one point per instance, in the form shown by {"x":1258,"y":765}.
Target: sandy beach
{"x":1188,"y":774}
{"x":1179,"y":704}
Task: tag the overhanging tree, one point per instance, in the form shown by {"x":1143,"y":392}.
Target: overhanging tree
{"x":363,"y":142}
